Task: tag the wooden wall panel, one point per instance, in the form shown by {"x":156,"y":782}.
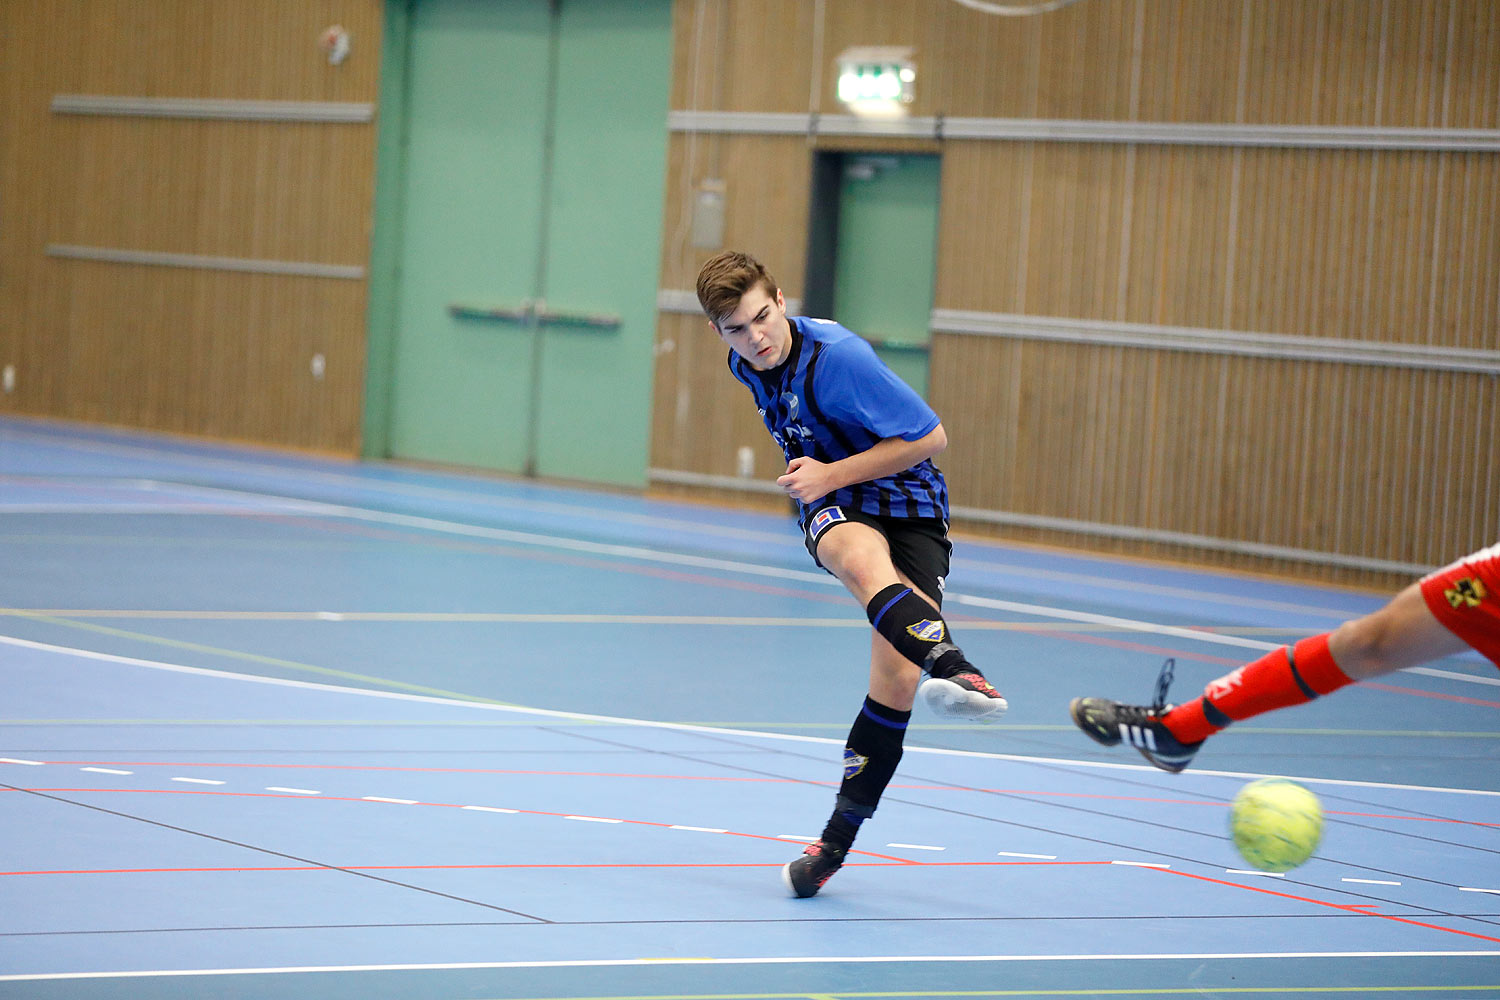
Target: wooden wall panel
{"x":733,"y":56}
{"x":252,"y":50}
{"x":1419,"y":63}
{"x":711,"y":416}
{"x":1322,"y":457}
{"x":277,"y":191}
{"x":195,"y":351}
{"x":212,"y":353}
{"x":767,"y":183}
{"x":1389,"y":246}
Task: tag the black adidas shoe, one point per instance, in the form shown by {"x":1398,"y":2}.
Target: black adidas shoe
{"x":965,"y":694}
{"x":1112,"y":723}
{"x":805,"y":876}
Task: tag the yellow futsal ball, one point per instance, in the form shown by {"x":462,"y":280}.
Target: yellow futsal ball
{"x":1276,"y":824}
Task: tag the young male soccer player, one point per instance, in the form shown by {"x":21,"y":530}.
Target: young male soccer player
{"x":859,"y":445}
{"x":1439,"y":615}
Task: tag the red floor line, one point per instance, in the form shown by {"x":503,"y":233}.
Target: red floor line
{"x":443,"y":805}
{"x":1361,"y":908}
{"x":1396,"y":689}
{"x":603,"y":774}
{"x":822,"y":596}
{"x":539,"y":866}
{"x":419,"y":770}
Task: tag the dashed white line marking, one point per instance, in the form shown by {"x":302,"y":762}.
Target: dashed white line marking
{"x":489,"y":809}
{"x":292,"y":791}
{"x":1468,"y":888}
{"x":330,"y":616}
{"x":698,"y":829}
{"x":1017,"y":854}
{"x":1140,"y":864}
{"x":1369,"y":881}
{"x":917,"y":847}
{"x":381,"y":798}
{"x":795,"y":836}
{"x":29,"y":763}
{"x":199,"y":781}
{"x":593,"y":819}
{"x":1252,"y":871}
{"x":104,"y":770}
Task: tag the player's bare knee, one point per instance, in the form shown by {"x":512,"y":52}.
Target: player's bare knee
{"x":1364,"y":647}
{"x":860,"y":568}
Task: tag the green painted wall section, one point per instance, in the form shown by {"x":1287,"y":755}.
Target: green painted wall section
{"x":605,"y":248}
{"x":463,"y":192}
{"x":385,"y":245}
{"x":887,"y":255}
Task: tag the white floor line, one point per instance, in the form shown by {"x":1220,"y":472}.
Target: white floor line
{"x":777,"y":960}
{"x":735,"y":566}
{"x":646,"y":554}
{"x":355,"y":480}
{"x":688,"y":727}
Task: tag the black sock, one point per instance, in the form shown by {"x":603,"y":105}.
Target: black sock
{"x":917,"y":630}
{"x":870,"y":758}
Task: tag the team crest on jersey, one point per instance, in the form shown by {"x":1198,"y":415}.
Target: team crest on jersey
{"x":927,"y":630}
{"x":1466,"y":593}
{"x":825,"y":517}
{"x":853,"y":763}
{"x":792,"y":404}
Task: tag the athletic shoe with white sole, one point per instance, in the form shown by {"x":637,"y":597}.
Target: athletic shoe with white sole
{"x":1112,"y":723}
{"x":964,"y":695}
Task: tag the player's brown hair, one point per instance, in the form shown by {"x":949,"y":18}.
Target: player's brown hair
{"x":725,"y":279}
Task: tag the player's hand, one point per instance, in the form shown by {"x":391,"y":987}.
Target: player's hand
{"x":807,"y":479}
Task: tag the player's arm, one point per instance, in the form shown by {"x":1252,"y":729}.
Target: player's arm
{"x":809,"y":480}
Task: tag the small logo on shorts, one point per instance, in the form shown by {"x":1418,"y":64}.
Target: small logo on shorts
{"x":853,"y":763}
{"x":927,"y":631}
{"x":1466,"y":593}
{"x":825,"y":517}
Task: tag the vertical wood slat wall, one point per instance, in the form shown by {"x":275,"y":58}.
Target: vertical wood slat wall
{"x":1394,"y":464}
{"x":205,"y":352}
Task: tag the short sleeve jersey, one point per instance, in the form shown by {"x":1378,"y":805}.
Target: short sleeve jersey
{"x":832,"y":398}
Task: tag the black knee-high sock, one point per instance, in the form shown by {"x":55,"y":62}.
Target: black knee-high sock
{"x":870,"y":758}
{"x":917,"y":630}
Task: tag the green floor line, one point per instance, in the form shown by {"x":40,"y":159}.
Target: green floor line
{"x":919,"y":994}
{"x":271,"y":661}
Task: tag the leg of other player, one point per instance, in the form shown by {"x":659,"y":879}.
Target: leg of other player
{"x":1403,"y":633}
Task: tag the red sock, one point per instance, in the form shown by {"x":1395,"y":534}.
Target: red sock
{"x":1280,"y":678}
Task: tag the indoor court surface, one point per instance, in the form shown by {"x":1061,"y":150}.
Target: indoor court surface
{"x":280,"y":726}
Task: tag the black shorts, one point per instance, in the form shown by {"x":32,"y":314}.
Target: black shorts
{"x":919,"y":545}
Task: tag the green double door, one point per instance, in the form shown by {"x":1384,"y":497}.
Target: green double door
{"x":533,"y":167}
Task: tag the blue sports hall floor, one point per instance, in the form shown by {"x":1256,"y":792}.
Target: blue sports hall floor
{"x":279,"y":726}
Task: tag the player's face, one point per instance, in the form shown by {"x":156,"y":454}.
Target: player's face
{"x":757,"y":330}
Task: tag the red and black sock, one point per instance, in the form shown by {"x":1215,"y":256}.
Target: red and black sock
{"x":1287,"y":676}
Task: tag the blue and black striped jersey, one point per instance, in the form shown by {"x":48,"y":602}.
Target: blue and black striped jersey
{"x":832,"y":398}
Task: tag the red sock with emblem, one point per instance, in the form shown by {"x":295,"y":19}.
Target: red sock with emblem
{"x":1287,"y":676}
